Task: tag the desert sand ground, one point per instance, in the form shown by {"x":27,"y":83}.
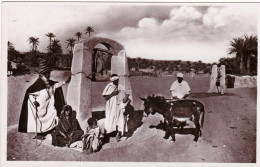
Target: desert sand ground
{"x":228,"y":135}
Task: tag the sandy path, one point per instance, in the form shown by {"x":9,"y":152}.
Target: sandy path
{"x":219,"y":142}
{"x":228,"y":135}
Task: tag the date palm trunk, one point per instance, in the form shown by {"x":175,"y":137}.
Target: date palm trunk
{"x":71,"y":56}
{"x":248,"y":65}
{"x":242,"y":65}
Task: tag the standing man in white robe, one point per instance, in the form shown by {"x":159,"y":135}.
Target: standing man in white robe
{"x":114,"y":120}
{"x":180,"y":89}
{"x":110,"y":93}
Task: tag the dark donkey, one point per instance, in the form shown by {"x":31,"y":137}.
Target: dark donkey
{"x":175,"y":113}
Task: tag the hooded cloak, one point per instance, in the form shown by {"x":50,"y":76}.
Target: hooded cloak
{"x":35,"y":87}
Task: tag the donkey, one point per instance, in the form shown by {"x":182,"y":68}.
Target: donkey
{"x":176,"y":113}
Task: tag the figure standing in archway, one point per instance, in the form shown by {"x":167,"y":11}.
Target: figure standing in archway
{"x":218,"y":79}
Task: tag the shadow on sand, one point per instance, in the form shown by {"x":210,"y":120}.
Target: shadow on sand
{"x":135,"y":118}
{"x":205,"y":94}
{"x":184,"y":131}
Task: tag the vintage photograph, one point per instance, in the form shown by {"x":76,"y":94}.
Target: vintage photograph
{"x":130,"y":82}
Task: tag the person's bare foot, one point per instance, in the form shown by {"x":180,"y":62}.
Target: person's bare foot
{"x":39,"y":137}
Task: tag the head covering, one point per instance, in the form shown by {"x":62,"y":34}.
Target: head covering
{"x":179,"y":75}
{"x":66,"y":108}
{"x":114,"y":77}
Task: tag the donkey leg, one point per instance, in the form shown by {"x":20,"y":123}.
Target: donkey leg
{"x":164,"y":125}
{"x":167,"y":132}
{"x":173,"y":134}
{"x":197,"y":132}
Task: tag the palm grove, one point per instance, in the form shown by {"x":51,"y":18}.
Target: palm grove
{"x":243,"y":48}
{"x":56,"y":58}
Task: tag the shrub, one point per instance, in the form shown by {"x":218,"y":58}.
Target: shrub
{"x":21,"y":70}
{"x":230,"y":80}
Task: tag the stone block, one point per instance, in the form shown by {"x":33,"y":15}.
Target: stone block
{"x":79,"y":88}
{"x":79,"y":97}
{"x":76,"y":65}
{"x":85,"y":101}
{"x":213,"y":79}
{"x":245,"y":81}
{"x":223,"y":77}
{"x":73,"y":92}
{"x":119,"y":64}
{"x":87,"y":61}
{"x":124,"y":84}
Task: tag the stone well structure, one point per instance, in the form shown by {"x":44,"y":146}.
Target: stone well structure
{"x":79,"y":89}
{"x":213,"y":79}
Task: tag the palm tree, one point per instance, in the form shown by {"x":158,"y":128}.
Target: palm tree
{"x":56,"y":47}
{"x":88,"y":30}
{"x":11,"y":51}
{"x":71,"y":43}
{"x":50,"y":35}
{"x":55,"y":52}
{"x":239,"y":47}
{"x":78,"y":35}
{"x":35,"y":43}
{"x":251,"y":43}
{"x":138,"y":61}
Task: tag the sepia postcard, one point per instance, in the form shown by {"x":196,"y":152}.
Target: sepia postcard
{"x":129,"y":83}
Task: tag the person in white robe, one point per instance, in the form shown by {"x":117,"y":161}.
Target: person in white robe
{"x":110,"y":93}
{"x":42,"y":114}
{"x":44,"y":117}
{"x":180,"y":89}
{"x":115,"y":107}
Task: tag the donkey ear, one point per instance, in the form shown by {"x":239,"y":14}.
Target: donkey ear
{"x":143,"y":99}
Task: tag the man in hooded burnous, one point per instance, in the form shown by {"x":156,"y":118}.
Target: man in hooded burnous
{"x":180,"y":89}
{"x":42,"y":105}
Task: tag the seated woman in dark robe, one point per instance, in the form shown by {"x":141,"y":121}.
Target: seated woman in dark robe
{"x":68,"y":129}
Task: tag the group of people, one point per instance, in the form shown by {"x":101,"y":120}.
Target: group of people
{"x":68,"y":131}
{"x":44,"y":111}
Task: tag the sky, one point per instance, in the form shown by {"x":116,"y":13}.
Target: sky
{"x":153,"y":31}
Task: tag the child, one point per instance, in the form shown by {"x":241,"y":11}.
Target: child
{"x":92,"y":138}
{"x":218,"y":80}
{"x":123,"y":101}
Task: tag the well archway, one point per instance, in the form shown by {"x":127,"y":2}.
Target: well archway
{"x":82,"y":69}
